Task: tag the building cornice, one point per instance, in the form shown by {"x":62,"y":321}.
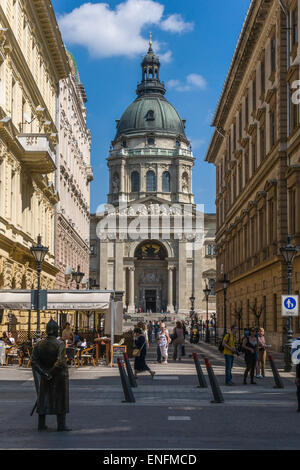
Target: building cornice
{"x":41,"y":11}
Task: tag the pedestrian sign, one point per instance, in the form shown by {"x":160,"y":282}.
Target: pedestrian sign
{"x":289,"y":305}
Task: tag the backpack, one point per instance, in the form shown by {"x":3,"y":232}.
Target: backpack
{"x":221,"y":347}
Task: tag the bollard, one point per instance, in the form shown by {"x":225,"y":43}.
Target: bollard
{"x":129,"y":397}
{"x":201,"y":378}
{"x":277,"y":378}
{"x":129,"y":371}
{"x":218,"y":397}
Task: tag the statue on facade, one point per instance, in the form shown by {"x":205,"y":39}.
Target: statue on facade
{"x":116,"y":184}
{"x":50,"y":371}
{"x":185,"y":183}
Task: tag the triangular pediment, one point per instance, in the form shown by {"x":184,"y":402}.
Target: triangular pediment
{"x":148,"y":200}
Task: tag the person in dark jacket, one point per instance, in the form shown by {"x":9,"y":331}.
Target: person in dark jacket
{"x":250,"y":347}
{"x":140,"y":361}
{"x":297,"y":382}
{"x":48,"y":362}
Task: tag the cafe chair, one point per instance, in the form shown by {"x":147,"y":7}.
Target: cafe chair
{"x":11,"y":355}
{"x":88,"y":356}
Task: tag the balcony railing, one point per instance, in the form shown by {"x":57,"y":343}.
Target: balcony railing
{"x":152,"y":152}
{"x":39,"y":154}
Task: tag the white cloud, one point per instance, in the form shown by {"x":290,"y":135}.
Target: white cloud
{"x":108,"y":32}
{"x":192,"y":82}
{"x":175,"y":24}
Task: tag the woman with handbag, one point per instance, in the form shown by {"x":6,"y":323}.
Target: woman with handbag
{"x":178,"y":340}
{"x":139,"y":353}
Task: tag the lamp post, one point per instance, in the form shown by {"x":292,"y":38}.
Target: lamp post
{"x":192,"y":312}
{"x":225,"y":283}
{"x":289,"y":252}
{"x":207,"y":291}
{"x":77,"y":276}
{"x":39,"y":252}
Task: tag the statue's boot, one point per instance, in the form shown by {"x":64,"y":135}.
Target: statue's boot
{"x":61,"y":423}
{"x":42,"y":423}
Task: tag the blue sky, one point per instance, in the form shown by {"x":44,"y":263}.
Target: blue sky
{"x":195,"y":40}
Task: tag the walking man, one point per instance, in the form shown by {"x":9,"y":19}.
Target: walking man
{"x":229,"y":350}
{"x":48,"y":362}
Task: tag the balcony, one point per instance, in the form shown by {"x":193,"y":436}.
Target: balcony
{"x":39,"y":154}
{"x":146,"y":151}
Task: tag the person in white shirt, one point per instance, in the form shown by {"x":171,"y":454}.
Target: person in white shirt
{"x":163,"y":340}
{"x":11,"y":338}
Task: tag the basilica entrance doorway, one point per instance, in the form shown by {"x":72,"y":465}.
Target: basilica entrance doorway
{"x":151,"y":279}
{"x":150,"y":300}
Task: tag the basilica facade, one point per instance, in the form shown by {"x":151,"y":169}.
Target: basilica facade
{"x":151,"y":240}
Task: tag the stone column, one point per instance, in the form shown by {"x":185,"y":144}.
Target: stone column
{"x":131,"y":306}
{"x":170,"y":307}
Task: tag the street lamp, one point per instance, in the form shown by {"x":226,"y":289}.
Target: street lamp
{"x":39,"y":253}
{"x":207,"y":291}
{"x":225,"y":283}
{"x":192,"y":312}
{"x":289,"y":252}
{"x":77,"y":276}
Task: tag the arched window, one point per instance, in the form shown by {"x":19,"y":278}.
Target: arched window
{"x":151,"y":141}
{"x":150,"y":115}
{"x":135,"y":182}
{"x":166,"y":182}
{"x":150,"y":181}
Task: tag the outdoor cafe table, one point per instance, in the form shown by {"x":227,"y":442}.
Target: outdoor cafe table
{"x":98,"y":342}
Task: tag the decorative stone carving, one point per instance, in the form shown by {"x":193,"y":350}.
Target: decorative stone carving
{"x":116,"y":183}
{"x":185,"y":183}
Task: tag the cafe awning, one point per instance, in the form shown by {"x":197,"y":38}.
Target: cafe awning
{"x":58,"y":300}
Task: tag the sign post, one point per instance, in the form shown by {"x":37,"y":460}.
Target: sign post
{"x":289,"y":305}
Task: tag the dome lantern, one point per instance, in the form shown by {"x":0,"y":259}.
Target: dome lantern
{"x":150,"y":74}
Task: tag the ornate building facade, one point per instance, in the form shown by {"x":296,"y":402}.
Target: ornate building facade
{"x":32,"y":62}
{"x":255,"y":148}
{"x":150,"y":182}
{"x":74,"y":174}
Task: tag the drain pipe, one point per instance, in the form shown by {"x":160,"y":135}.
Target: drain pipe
{"x":287,"y":14}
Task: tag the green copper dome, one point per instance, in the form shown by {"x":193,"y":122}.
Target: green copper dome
{"x":151,"y":112}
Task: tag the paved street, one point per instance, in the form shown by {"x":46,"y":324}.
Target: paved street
{"x":170,"y":411}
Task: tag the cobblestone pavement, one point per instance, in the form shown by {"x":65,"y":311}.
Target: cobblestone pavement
{"x":170,"y":411}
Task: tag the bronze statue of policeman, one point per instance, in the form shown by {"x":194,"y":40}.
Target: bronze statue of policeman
{"x":50,"y":370}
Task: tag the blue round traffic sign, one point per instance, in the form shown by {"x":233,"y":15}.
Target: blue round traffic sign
{"x":290,"y":303}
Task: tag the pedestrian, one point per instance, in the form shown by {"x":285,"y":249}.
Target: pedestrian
{"x":150,"y":331}
{"x":185,"y":333}
{"x":250,"y":347}
{"x":262,"y":353}
{"x":178,"y":341}
{"x":229,"y":351}
{"x":5,"y":338}
{"x":140,"y":361}
{"x":67,"y":333}
{"x":143,"y":327}
{"x":156,"y":328}
{"x":11,"y":338}
{"x":297,"y":382}
{"x":163,"y":340}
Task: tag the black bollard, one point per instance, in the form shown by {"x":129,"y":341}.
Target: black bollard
{"x":129,"y":397}
{"x":201,"y":378}
{"x":218,"y":397}
{"x":129,"y":371}
{"x":277,"y":378}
